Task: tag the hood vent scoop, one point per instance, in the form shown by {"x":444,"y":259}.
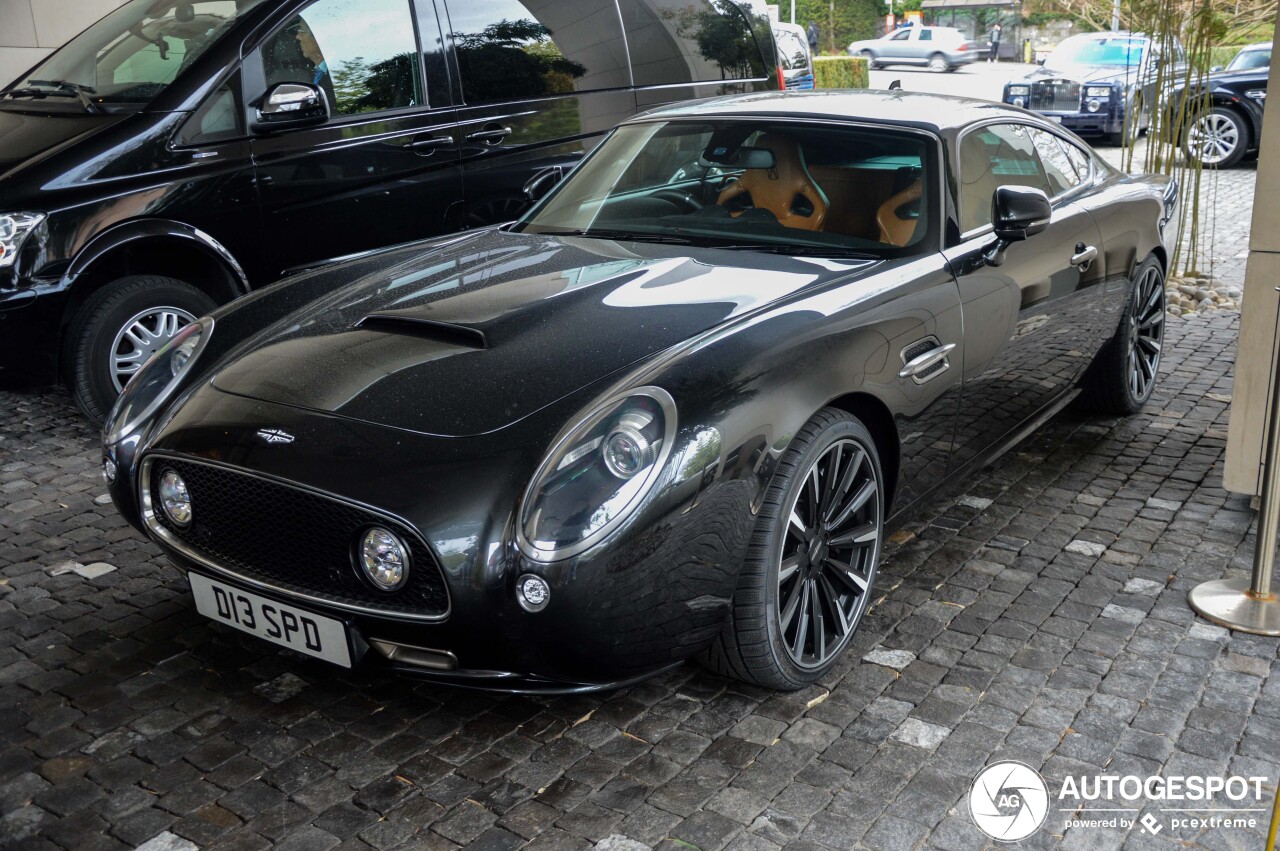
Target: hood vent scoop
{"x":427,"y":329}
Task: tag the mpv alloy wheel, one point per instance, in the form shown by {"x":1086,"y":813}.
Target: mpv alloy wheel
{"x":141,"y":337}
{"x":1216,"y":139}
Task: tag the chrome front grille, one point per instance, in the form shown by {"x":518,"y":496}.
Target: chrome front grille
{"x":1055,"y":96}
{"x":281,"y":537}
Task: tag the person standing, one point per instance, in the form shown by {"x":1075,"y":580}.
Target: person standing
{"x":994,"y":38}
{"x":812,"y":34}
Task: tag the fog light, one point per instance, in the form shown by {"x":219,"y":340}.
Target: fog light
{"x":532,"y":592}
{"x":384,"y":558}
{"x":1092,"y":106}
{"x":1019,"y":102}
{"x":108,"y":470}
{"x":174,"y":498}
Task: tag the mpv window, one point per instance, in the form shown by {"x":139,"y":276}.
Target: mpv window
{"x":511,"y":50}
{"x":675,"y":41}
{"x":131,"y":55}
{"x":361,"y":52}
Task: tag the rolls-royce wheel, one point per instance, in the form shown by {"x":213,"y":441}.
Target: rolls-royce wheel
{"x":938,"y":63}
{"x":119,"y":328}
{"x":1218,"y":139}
{"x":1121,"y":378}
{"x":811,"y":566}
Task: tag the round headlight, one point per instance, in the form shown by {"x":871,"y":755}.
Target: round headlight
{"x":384,"y":558}
{"x":533,"y":593}
{"x":109,"y":470}
{"x":175,"y":500}
{"x":1092,"y":106}
{"x":597,"y":474}
{"x":1019,"y":102}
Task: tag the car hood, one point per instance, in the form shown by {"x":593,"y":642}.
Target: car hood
{"x":1084,"y":73}
{"x":30,"y":136}
{"x":481,"y":333}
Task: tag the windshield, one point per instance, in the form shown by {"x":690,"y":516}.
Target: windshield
{"x":1085,"y":50}
{"x":765,"y":185}
{"x":1248,"y":60}
{"x":131,"y":55}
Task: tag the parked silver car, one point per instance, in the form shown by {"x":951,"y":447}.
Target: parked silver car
{"x":938,"y":48}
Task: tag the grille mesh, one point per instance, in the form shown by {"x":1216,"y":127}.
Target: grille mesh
{"x":1055,"y":97}
{"x":292,"y":538}
{"x":918,"y":348}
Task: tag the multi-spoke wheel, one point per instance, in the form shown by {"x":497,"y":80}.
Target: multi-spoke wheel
{"x":808,"y":577}
{"x":119,"y":328}
{"x":1121,"y":378}
{"x":1217,"y":139}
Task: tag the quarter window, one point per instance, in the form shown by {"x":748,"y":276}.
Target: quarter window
{"x":926,"y":35}
{"x":1060,"y":170}
{"x":362,"y":53}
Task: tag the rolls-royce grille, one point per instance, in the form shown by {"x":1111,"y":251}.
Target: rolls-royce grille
{"x":1055,"y":97}
{"x":291,"y":538}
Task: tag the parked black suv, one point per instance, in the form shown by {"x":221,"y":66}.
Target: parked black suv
{"x":1228,"y":124}
{"x":177,"y":154}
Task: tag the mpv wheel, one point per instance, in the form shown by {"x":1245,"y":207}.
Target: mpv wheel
{"x":119,"y":328}
{"x":1218,"y":139}
{"x":938,"y":63}
{"x":809,"y":573}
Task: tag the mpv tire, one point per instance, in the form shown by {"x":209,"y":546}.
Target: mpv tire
{"x":811,"y":566}
{"x":1123,"y":376}
{"x":1217,"y":139}
{"x":119,"y":327}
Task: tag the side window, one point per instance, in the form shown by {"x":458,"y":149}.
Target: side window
{"x":1058,"y":167}
{"x":902,"y":34}
{"x":990,"y":157}
{"x":926,"y":35}
{"x":218,"y":118}
{"x":362,"y":53}
{"x":512,"y":50}
{"x":678,"y":41}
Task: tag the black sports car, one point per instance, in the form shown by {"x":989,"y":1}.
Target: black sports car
{"x":1229,"y":121}
{"x":670,"y":412}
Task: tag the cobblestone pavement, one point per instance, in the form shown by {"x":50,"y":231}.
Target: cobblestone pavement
{"x":1039,"y":614}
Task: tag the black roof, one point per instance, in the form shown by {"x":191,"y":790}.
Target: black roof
{"x":909,"y":109}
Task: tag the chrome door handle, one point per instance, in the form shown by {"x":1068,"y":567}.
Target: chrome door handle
{"x":429,"y":144}
{"x":1085,"y":254}
{"x":922,"y":363}
{"x":490,"y":136}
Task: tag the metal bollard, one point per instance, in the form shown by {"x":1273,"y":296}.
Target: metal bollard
{"x":1252,"y":606}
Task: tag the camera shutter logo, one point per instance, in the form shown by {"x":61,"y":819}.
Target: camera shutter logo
{"x":1008,"y":801}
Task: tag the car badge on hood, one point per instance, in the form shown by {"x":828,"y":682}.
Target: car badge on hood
{"x":275,"y":435}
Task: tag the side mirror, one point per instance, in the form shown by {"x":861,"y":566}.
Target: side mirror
{"x":1040,"y":61}
{"x":543,"y":182}
{"x":1215,"y":69}
{"x":1017,"y":212}
{"x":288,"y":105}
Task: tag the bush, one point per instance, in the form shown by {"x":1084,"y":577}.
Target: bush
{"x":1222,"y":55}
{"x":840,"y":72}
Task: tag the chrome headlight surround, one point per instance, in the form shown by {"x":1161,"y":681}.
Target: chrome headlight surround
{"x":14,"y":230}
{"x":156,"y":381}
{"x":1018,"y":89}
{"x":1098,"y":91}
{"x":578,"y":496}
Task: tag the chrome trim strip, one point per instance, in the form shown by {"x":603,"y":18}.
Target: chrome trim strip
{"x":157,"y":531}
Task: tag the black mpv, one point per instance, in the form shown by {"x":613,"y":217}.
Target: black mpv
{"x":176,"y":155}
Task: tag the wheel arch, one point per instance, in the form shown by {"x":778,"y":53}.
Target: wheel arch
{"x":878,"y":419}
{"x":150,"y":247}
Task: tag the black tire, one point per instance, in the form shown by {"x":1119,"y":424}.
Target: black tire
{"x":938,"y":63}
{"x":1218,"y":139}
{"x":1110,"y":384}
{"x":95,"y":333}
{"x":1115,"y":140}
{"x":755,"y":644}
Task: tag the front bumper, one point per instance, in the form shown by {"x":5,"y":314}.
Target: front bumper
{"x":30,"y":329}
{"x":647,"y":599}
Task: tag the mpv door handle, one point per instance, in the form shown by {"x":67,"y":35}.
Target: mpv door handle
{"x":429,"y":144}
{"x":1085,"y":254}
{"x":922,"y":363}
{"x":490,"y":135}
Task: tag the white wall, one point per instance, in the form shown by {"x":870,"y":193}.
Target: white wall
{"x":31,"y":29}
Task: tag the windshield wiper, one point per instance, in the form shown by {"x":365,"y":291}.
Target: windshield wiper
{"x":799,"y":250}
{"x":601,"y":233}
{"x":61,"y":88}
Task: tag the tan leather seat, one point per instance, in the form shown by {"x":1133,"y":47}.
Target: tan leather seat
{"x":895,"y":229}
{"x":775,"y":189}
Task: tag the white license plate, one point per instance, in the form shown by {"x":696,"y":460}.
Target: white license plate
{"x":1057,"y":118}
{"x":297,"y":629}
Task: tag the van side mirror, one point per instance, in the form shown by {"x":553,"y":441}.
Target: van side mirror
{"x":542,"y":182}
{"x":1215,"y":69}
{"x":1017,"y":212}
{"x":289,"y":105}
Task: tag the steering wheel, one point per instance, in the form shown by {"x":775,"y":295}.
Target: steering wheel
{"x":681,"y":198}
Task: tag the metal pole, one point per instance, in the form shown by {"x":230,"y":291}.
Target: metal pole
{"x":1115,"y":16}
{"x":793,"y":11}
{"x":1251,"y":606}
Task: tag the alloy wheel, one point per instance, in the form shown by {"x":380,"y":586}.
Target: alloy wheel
{"x":829,"y":556}
{"x":141,"y":337}
{"x":1213,"y":138}
{"x":1146,"y":333}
